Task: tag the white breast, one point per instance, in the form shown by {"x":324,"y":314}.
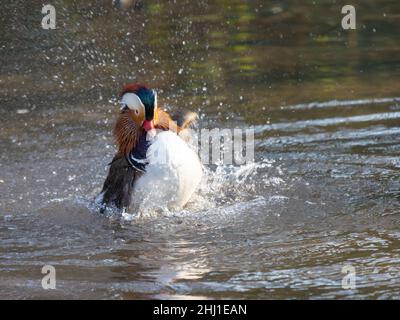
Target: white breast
{"x":172,"y":175}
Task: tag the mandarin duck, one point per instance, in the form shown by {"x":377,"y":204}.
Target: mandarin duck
{"x":154,"y":165}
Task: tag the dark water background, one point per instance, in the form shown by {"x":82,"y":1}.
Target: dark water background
{"x":323,"y":193}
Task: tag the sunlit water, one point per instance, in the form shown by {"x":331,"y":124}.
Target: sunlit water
{"x":323,"y":192}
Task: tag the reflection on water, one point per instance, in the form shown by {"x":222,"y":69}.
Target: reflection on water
{"x":323,"y":193}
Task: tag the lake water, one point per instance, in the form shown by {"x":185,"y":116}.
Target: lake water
{"x":322,"y":194}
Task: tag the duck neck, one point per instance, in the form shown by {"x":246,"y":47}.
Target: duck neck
{"x":126,"y":134}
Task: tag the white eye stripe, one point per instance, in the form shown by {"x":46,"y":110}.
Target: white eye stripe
{"x":132,"y":101}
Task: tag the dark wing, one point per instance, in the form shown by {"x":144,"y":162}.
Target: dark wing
{"x":117,"y":189}
{"x":124,"y":170}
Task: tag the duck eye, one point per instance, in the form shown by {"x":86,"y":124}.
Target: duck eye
{"x":137,"y":111}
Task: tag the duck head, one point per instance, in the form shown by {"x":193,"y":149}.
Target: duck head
{"x":139,"y":114}
{"x":140,"y":103}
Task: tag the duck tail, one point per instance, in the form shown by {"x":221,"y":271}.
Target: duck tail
{"x":189,"y":119}
{"x":185,"y":119}
{"x":118,"y":186}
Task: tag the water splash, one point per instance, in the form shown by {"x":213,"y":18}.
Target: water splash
{"x":220,"y":188}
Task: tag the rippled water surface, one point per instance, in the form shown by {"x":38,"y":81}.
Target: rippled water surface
{"x":323,"y":193}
